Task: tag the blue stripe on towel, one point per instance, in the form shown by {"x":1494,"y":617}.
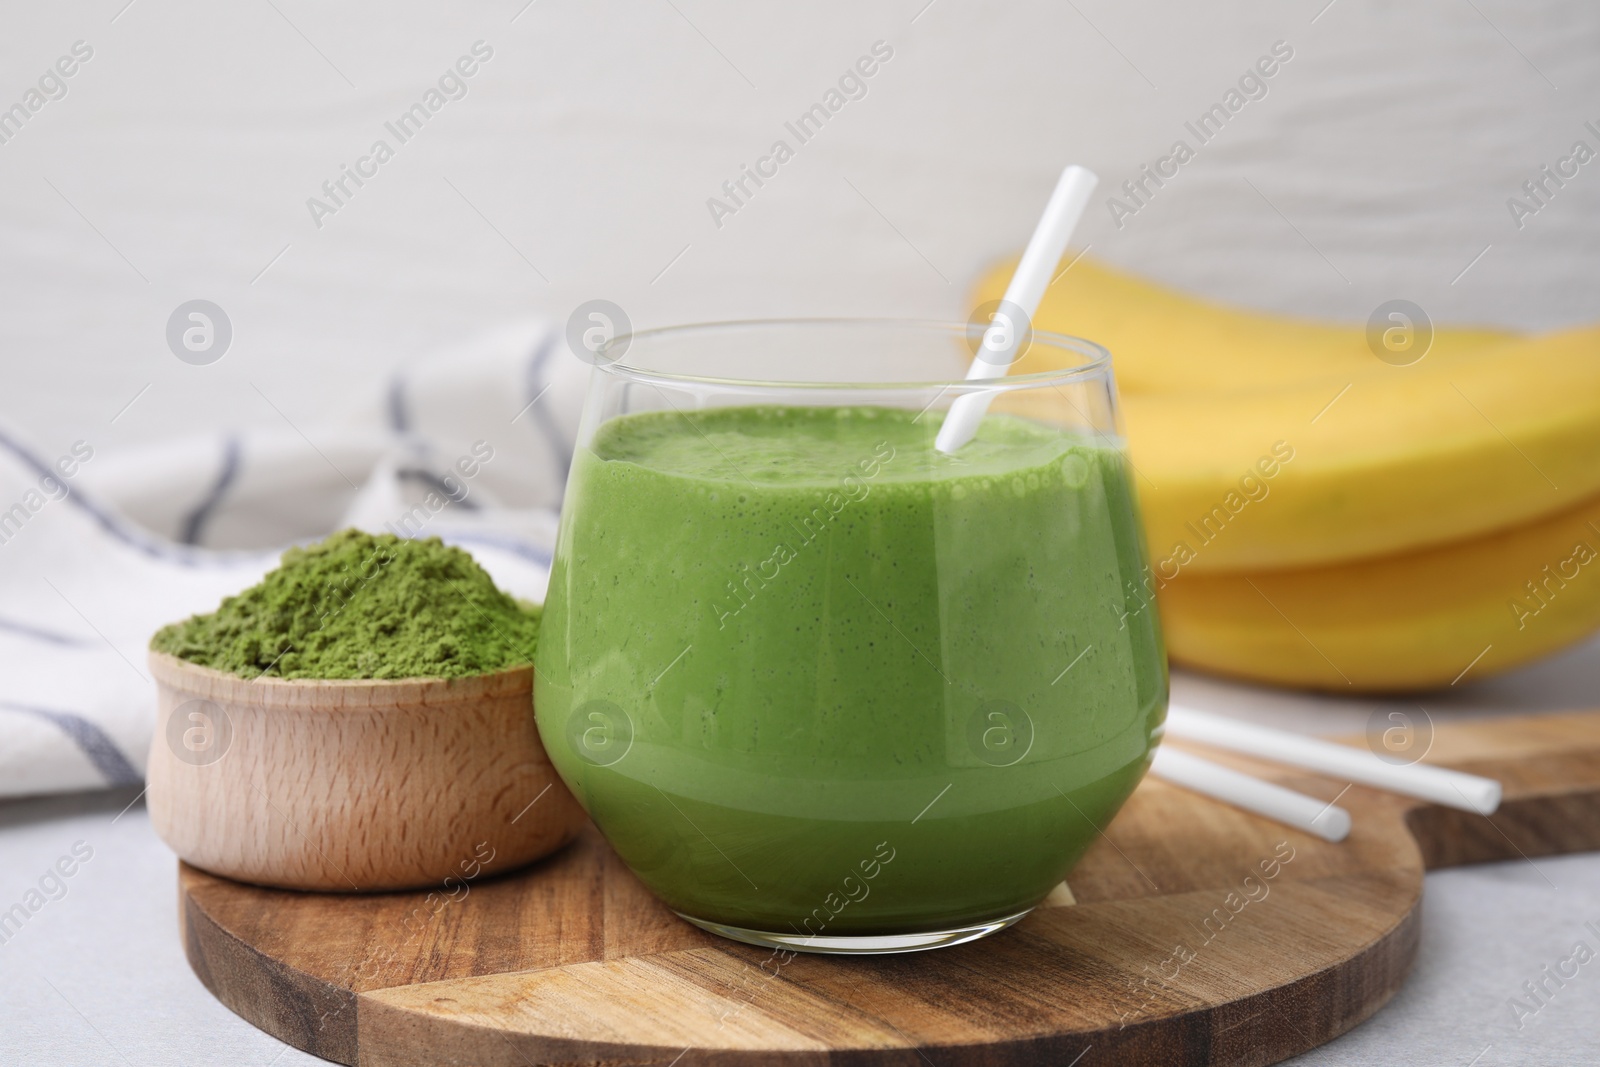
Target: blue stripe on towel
{"x":532,"y":553}
{"x":457,"y":496}
{"x":536,"y":382}
{"x":194,"y":526}
{"x":399,"y":411}
{"x":134,"y":538}
{"x":100,"y":749}
{"x":49,"y":637}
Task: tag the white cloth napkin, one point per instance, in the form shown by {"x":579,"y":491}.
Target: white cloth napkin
{"x":98,"y":550}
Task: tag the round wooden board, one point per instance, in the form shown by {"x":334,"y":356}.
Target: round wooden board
{"x":1169,"y":956}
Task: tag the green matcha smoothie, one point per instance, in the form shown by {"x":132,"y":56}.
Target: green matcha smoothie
{"x":810,"y":676}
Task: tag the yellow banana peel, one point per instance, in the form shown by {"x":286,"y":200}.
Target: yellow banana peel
{"x":1164,"y":341}
{"x":1407,"y":621}
{"x":1261,"y":442}
{"x":1377,"y":465}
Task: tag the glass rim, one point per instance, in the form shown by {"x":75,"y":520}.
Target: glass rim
{"x":1097,"y":358}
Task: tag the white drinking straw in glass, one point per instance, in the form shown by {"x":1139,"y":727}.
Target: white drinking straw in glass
{"x":1454,"y":789}
{"x":1028,"y":283}
{"x":1328,"y":821}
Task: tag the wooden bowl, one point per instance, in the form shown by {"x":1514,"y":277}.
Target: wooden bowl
{"x":352,"y":786}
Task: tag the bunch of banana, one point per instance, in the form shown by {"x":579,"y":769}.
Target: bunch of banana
{"x":1319,"y":517}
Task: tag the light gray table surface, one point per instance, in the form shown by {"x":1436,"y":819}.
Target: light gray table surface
{"x":99,"y":977}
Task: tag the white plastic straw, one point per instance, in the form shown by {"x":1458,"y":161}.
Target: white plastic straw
{"x":1454,"y":789}
{"x":1032,"y":277}
{"x":1328,"y":821}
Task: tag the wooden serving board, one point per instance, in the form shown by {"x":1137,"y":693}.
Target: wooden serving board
{"x":573,"y":962}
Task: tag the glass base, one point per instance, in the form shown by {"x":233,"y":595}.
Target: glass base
{"x":860,"y":944}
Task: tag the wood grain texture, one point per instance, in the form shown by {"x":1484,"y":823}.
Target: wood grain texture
{"x":573,"y":962}
{"x":352,"y":786}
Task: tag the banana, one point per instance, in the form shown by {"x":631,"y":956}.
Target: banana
{"x":1163,"y":341}
{"x":1400,"y":622}
{"x":1318,"y":473}
{"x":1261,"y":442}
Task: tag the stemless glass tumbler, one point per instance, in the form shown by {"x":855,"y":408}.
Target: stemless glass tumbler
{"x":820,"y":685}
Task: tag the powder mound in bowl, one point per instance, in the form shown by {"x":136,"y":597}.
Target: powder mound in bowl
{"x":363,"y":606}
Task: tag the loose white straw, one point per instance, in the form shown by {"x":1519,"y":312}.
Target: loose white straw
{"x":1032,"y":277}
{"x":1454,"y":789}
{"x":1328,"y":821}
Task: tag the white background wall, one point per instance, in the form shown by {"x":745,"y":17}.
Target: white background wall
{"x":183,"y":154}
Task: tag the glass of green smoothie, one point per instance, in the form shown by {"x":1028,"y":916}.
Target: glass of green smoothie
{"x":822,"y":686}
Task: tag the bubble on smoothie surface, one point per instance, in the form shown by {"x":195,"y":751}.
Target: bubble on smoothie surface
{"x":1075,"y":470}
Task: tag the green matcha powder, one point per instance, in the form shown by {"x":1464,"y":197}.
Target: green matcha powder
{"x":359,"y":606}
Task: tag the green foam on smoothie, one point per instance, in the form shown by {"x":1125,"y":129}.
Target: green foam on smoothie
{"x":799,"y":447}
{"x":362,"y":606}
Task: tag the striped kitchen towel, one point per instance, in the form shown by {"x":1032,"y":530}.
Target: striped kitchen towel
{"x":98,"y":548}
